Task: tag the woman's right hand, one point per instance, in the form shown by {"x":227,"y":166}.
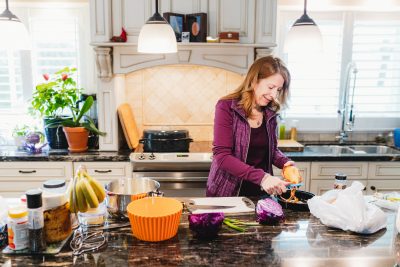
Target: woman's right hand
{"x":273,"y":185}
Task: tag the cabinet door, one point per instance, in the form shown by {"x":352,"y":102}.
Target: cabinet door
{"x":100,"y":20}
{"x":236,"y":16}
{"x":318,"y":187}
{"x":304,"y":168}
{"x":104,"y":172}
{"x":327,"y":170}
{"x":17,"y":177}
{"x":384,"y":170}
{"x":382,"y":186}
{"x":266,"y":22}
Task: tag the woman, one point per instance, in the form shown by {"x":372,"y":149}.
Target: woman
{"x":245,"y":144}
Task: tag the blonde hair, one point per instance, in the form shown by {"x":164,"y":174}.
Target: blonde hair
{"x":262,"y":68}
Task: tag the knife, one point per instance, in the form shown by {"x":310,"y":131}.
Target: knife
{"x":207,"y":207}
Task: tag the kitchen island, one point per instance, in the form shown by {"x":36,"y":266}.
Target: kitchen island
{"x":301,"y":241}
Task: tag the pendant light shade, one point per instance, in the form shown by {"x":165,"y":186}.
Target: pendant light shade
{"x":13,"y":33}
{"x":304,"y":35}
{"x":157,"y":36}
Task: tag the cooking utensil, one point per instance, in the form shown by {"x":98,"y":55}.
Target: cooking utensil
{"x":290,"y":186}
{"x":192,"y":206}
{"x":303,"y":196}
{"x":228,"y":205}
{"x":166,"y":141}
{"x":121,"y":192}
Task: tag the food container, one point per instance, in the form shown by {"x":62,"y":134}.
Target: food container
{"x":121,"y":192}
{"x":155,"y":218}
{"x":166,"y":141}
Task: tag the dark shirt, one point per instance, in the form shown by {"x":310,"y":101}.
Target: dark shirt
{"x":256,"y":157}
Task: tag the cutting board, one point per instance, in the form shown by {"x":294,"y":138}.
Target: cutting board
{"x":241,"y":204}
{"x":129,"y":125}
{"x":290,"y":146}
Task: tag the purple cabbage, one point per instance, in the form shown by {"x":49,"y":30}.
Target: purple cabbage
{"x":206,"y":225}
{"x":269,"y":212}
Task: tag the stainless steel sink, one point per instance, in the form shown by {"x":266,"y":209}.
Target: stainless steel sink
{"x":371,"y":149}
{"x":328,"y":149}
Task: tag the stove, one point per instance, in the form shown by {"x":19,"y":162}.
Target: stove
{"x":180,"y":174}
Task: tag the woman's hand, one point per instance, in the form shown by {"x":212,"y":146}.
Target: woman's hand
{"x":289,"y":163}
{"x":273,"y":185}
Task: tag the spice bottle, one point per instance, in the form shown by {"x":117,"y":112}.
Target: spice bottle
{"x":37,"y":241}
{"x":340,"y":181}
{"x":17,"y":228}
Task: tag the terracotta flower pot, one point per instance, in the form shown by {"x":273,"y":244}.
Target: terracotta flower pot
{"x":77,"y":138}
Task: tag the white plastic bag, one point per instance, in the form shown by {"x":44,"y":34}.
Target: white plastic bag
{"x":347,"y":210}
{"x":398,"y":221}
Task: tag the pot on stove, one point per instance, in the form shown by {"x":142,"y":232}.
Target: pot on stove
{"x":123,"y":191}
{"x":166,"y":141}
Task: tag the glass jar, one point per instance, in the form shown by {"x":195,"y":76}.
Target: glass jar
{"x":17,"y":224}
{"x":340,"y":181}
{"x":93,"y":217}
{"x":54,"y":186}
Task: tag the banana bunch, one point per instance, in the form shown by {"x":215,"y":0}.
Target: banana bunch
{"x":84,"y":192}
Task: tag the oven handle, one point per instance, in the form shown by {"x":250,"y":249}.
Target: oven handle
{"x":179,"y":179}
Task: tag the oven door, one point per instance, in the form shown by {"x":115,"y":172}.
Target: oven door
{"x":179,"y":184}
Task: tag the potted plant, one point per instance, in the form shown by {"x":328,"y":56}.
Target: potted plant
{"x":78,"y":126}
{"x":51,"y":98}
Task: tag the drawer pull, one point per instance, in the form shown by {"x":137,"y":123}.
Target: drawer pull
{"x":33,"y":171}
{"x":373,"y":188}
{"x":101,"y":171}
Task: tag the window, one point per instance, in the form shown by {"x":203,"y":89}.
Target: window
{"x":372,"y":41}
{"x":59,"y":38}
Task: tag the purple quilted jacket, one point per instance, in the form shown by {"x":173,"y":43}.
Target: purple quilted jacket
{"x":230,"y":147}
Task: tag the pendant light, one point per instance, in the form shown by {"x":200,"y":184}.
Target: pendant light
{"x":304,"y":35}
{"x":157,"y":36}
{"x":13,"y":32}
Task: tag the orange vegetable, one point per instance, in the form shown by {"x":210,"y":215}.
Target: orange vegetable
{"x":291,"y":174}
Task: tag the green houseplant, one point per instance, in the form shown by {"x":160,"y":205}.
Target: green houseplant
{"x":78,"y":126}
{"x":51,"y":98}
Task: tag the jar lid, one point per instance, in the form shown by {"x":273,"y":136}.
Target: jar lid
{"x":17,"y":212}
{"x":340,"y":176}
{"x":34,"y":198}
{"x":54,"y":183}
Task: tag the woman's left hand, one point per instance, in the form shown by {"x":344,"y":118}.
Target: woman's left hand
{"x":289,"y":163}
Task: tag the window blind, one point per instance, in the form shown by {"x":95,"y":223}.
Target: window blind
{"x":376,"y":51}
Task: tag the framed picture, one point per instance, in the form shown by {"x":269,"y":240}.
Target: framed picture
{"x":196,"y":24}
{"x":177,"y":22}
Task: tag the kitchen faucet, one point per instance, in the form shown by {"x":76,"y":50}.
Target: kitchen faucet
{"x":346,"y":112}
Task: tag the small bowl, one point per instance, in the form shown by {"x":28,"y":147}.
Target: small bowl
{"x":154,"y":218}
{"x":301,"y":195}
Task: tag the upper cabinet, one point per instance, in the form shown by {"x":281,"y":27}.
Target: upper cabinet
{"x":255,"y":20}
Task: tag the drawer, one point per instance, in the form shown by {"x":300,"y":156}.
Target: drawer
{"x":384,"y":170}
{"x":318,"y":187}
{"x":106,"y":170}
{"x":380,"y":186}
{"x":327,"y":170}
{"x":35,"y":170}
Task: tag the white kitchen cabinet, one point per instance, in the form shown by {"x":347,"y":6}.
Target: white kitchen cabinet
{"x":304,"y":168}
{"x":384,"y":170}
{"x":237,"y":16}
{"x":265,"y":25}
{"x":104,"y":172}
{"x":383,"y":186}
{"x":17,"y":177}
{"x":327,"y":170}
{"x":101,"y":20}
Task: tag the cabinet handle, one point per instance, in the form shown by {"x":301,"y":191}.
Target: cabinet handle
{"x":373,"y":188}
{"x":33,"y":171}
{"x":100,"y":171}
{"x":365,"y":188}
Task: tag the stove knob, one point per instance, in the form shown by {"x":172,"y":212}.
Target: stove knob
{"x":142,"y":157}
{"x":152,"y":156}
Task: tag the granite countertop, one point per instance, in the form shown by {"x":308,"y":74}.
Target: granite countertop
{"x":11,"y":154}
{"x":301,"y":241}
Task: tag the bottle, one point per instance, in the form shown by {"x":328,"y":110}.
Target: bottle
{"x":54,"y":186}
{"x":340,"y":181}
{"x":37,"y":241}
{"x":293,"y":130}
{"x":17,"y":228}
{"x":282,"y":130}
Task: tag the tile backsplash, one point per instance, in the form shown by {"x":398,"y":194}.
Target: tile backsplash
{"x":179,"y":97}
